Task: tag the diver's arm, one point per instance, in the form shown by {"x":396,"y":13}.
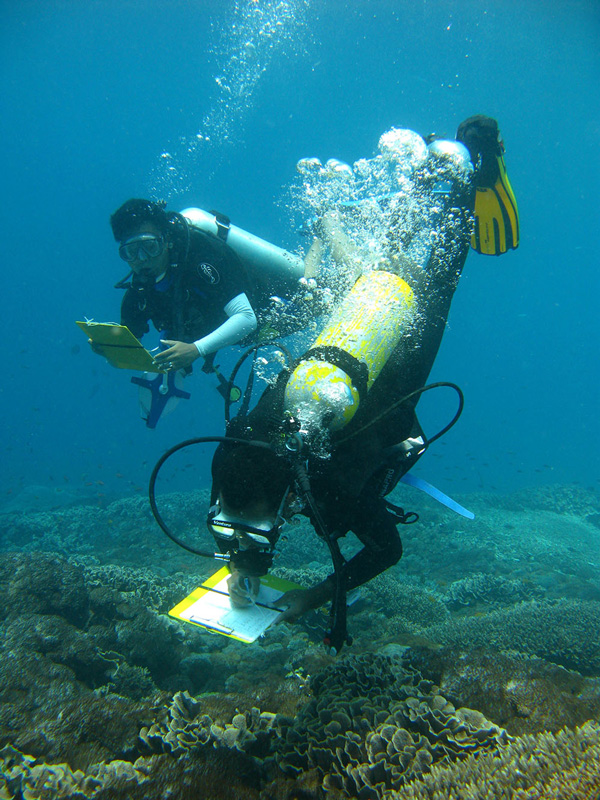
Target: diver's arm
{"x":299,"y":601}
{"x":365,"y":565}
{"x":375,"y":527}
{"x":241,"y":322}
{"x":383,"y":548}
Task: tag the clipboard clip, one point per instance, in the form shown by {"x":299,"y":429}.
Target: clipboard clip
{"x":211,"y":625}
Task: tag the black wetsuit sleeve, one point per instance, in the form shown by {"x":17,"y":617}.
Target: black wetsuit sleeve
{"x":376,"y":529}
{"x":132,"y":316}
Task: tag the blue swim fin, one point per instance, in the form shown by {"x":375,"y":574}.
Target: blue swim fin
{"x":424,"y":486}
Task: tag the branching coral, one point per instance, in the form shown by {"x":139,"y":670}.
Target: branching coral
{"x":565,"y":766}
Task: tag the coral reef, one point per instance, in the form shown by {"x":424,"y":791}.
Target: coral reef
{"x":374,"y":728}
{"x":545,"y":766}
{"x":563,"y":631}
{"x":565,"y":766}
{"x":565,"y":499}
{"x":486,"y":631}
{"x":549,"y":548}
{"x":495,"y":590}
{"x":217,"y":774}
{"x":184,"y":727}
{"x":124,"y":532}
{"x":83,"y":661}
{"x":400,"y":596}
{"x":373,"y":724}
{"x":521,"y":693}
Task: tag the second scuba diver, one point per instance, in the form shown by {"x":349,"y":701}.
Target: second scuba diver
{"x":339,"y":479}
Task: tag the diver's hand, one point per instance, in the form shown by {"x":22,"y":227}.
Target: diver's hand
{"x":179,"y":355}
{"x":243,"y":590}
{"x":299,"y":601}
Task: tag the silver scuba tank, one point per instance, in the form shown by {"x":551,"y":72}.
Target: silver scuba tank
{"x":265,"y":262}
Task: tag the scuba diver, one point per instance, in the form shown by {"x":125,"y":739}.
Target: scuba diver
{"x":202,"y":282}
{"x":331,"y":437}
{"x":188,"y":282}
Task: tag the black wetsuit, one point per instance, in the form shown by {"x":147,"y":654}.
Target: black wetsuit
{"x":188,"y":303}
{"x":350,"y":485}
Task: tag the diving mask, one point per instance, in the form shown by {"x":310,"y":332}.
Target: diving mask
{"x":142,"y":247}
{"x":246,"y":533}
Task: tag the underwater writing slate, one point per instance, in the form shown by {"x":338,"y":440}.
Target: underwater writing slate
{"x":214,"y":612}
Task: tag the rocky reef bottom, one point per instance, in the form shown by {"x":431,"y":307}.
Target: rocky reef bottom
{"x":474,"y":671}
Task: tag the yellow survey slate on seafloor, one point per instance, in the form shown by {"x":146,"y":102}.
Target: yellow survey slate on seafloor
{"x":119,"y":346}
{"x":213,"y":611}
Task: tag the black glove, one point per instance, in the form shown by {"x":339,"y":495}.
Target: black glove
{"x":481,"y":136}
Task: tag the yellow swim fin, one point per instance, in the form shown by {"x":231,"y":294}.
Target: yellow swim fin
{"x":496,"y":216}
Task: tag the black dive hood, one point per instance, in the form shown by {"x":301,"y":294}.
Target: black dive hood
{"x":159,"y":464}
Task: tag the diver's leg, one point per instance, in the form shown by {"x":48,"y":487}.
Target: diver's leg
{"x":343,"y":250}
{"x":313,"y":259}
{"x":434,"y":285}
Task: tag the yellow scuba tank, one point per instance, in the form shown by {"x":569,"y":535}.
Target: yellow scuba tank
{"x":324,"y":389}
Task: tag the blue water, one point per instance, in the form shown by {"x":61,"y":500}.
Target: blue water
{"x":99,"y":100}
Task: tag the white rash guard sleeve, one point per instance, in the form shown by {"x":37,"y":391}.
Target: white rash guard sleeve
{"x":241,"y":322}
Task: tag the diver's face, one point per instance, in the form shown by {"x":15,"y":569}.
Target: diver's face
{"x":144,"y":264}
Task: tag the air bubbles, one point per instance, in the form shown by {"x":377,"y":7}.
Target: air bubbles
{"x":277,"y":302}
{"x":362,"y":168}
{"x":327,"y":296}
{"x":309,"y":166}
{"x":338,"y":169}
{"x":308,"y":283}
{"x":383,"y":207}
{"x":405,"y":148}
{"x":244,"y":45}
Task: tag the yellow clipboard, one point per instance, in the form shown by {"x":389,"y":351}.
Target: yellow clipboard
{"x":119,"y":346}
{"x":213,"y":611}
